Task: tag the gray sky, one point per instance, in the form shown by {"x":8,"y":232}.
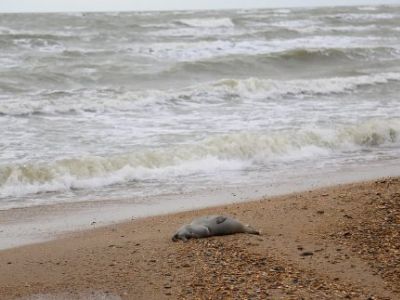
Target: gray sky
{"x":123,"y":5}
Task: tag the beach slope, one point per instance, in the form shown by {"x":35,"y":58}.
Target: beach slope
{"x":331,"y":243}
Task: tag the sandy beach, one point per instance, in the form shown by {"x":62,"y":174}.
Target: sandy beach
{"x":118,"y":127}
{"x":340,"y":242}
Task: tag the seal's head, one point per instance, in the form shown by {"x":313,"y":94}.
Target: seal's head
{"x":184,"y":233}
{"x":191,"y":231}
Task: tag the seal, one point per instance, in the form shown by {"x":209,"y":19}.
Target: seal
{"x":211,"y":226}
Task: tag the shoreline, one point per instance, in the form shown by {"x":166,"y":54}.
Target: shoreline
{"x":317,"y":244}
{"x":29,"y":225}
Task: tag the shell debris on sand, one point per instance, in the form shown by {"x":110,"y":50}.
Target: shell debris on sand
{"x":225,"y":268}
{"x":374,"y":234}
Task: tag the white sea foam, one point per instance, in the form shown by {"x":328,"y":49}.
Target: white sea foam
{"x":75,"y":14}
{"x":5,"y":30}
{"x":265,"y":88}
{"x":216,"y":153}
{"x":24,"y":33}
{"x":364,"y":17}
{"x":8,"y":62}
{"x":367,"y":8}
{"x":200,"y":50}
{"x":282,"y":11}
{"x":202,"y":32}
{"x":82,"y":101}
{"x":203,"y":50}
{"x":297,"y":24}
{"x":207,"y":22}
{"x":349,"y":28}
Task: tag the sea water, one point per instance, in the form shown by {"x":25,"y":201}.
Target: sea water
{"x":111,"y":106}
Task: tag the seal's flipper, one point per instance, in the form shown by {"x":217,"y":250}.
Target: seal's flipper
{"x":220,"y":219}
{"x":184,"y":238}
{"x":251,"y":230}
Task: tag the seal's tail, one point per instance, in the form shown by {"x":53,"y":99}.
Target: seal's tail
{"x":251,"y":230}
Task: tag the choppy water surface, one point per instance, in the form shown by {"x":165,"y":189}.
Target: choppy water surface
{"x":122,"y":105}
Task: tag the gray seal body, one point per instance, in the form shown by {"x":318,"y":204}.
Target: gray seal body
{"x":210,"y":226}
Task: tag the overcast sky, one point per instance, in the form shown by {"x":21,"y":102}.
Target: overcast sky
{"x":129,"y":5}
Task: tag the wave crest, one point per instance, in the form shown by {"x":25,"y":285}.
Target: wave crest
{"x":206,"y":22}
{"x":265,"y":88}
{"x":219,"y":152}
{"x":104,"y":100}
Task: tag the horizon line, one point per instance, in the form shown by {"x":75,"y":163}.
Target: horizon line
{"x":198,"y":9}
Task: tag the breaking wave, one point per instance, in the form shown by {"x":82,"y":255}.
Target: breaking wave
{"x":103,"y":100}
{"x":218,"y":152}
{"x":270,"y":89}
{"x":207,"y":22}
{"x":334,"y":54}
{"x":169,"y":100}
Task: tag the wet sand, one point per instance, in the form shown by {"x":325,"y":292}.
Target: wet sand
{"x":28,"y":225}
{"x":329,"y":243}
